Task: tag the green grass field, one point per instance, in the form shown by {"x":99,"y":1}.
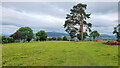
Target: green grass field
{"x":59,"y":53}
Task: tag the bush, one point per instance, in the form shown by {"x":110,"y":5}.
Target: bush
{"x":65,"y":38}
{"x":10,"y":39}
{"x":4,"y":39}
{"x":59,"y":38}
{"x":7,"y":39}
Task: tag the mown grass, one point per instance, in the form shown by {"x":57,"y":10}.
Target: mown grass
{"x":59,"y":53}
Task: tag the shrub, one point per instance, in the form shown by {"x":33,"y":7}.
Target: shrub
{"x":59,"y":38}
{"x":4,"y":39}
{"x":10,"y":39}
{"x":7,"y":39}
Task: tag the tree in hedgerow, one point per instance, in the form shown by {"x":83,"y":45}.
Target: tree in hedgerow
{"x":84,"y":35}
{"x":41,"y":35}
{"x":65,"y":38}
{"x":53,"y":38}
{"x":4,"y":39}
{"x":37,"y":38}
{"x":49,"y":38}
{"x":94,"y":34}
{"x":117,"y":32}
{"x":10,"y":39}
{"x":76,"y":20}
{"x":59,"y":38}
{"x":26,"y":33}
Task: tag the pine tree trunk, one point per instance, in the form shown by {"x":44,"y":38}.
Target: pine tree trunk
{"x":81,"y":27}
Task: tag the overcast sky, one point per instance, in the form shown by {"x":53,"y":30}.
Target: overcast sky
{"x":50,"y":16}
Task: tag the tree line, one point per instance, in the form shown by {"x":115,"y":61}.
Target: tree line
{"x":26,"y":34}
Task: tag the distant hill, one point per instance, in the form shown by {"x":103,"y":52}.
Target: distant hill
{"x":107,"y":37}
{"x":57,"y":34}
{"x":7,"y":35}
{"x":50,"y":34}
{"x":102,"y":36}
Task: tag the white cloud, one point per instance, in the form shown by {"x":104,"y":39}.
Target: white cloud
{"x":51,"y":16}
{"x":35,"y":21}
{"x":104,"y":30}
{"x":8,"y":29}
{"x":104,"y":20}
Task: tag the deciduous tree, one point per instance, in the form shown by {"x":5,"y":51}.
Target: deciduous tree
{"x":26,"y":33}
{"x":41,"y":35}
{"x":94,"y":34}
{"x":117,"y":32}
{"x":59,"y":38}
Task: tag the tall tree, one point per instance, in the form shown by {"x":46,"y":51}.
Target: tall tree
{"x":117,"y":32}
{"x":76,"y":20}
{"x":26,"y":33}
{"x":94,"y":34}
